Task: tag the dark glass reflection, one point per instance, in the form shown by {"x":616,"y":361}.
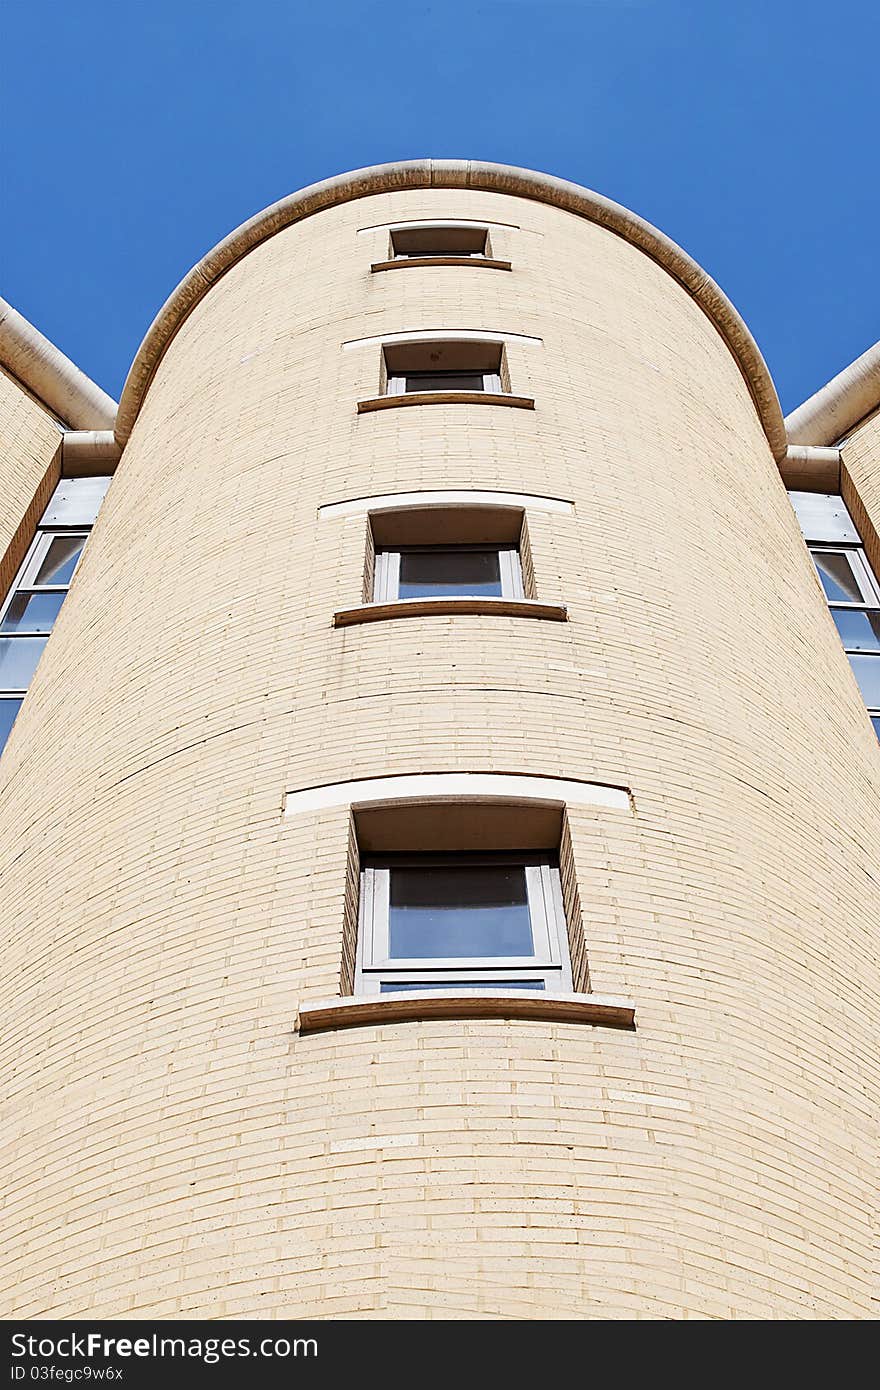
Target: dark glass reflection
{"x":459,"y":912}
{"x":60,"y":560}
{"x":396,"y":986}
{"x":32,"y":613}
{"x":8,"y":710}
{"x":18,"y":661}
{"x":836,"y":574}
{"x":859,"y":632}
{"x":444,"y":381}
{"x":875,"y":720}
{"x":444,"y":573}
{"x":867,"y":673}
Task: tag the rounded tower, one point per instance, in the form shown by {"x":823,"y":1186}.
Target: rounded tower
{"x":439,"y":873}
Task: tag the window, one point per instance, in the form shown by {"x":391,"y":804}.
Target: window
{"x":853,"y":596}
{"x":428,"y":367}
{"x":462,"y":921}
{"x":850,"y":585}
{"x":409,"y":382}
{"x":446,"y":572}
{"x":449,"y":552}
{"x":455,"y":559}
{"x":29,"y":612}
{"x":409,"y":243}
{"x":844,"y":574}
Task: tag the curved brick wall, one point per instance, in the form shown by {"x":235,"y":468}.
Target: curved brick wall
{"x":174,"y":1147}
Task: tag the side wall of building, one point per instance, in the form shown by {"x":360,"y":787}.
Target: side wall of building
{"x":860,"y":483}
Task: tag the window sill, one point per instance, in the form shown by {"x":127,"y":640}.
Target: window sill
{"x":486,"y":262}
{"x":445,"y":398}
{"x":354,"y":1011}
{"x":435,"y":607}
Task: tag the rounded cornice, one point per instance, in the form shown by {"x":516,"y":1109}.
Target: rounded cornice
{"x":453,"y":173}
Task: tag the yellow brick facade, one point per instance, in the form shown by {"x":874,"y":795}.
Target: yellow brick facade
{"x":174,"y":1146}
{"x":860,"y":482}
{"x":30,"y":443}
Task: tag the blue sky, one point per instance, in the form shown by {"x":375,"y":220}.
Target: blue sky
{"x":136,"y":135}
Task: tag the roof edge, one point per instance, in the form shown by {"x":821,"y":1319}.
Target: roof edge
{"x":840,"y":404}
{"x":57,"y":383}
{"x":451,"y":173}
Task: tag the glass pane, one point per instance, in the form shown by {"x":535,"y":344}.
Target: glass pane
{"x":444,"y":381}
{"x":60,"y":560}
{"x":439,"y":573}
{"x":18,"y":660}
{"x":459,"y":912}
{"x":8,"y":710}
{"x":858,"y":631}
{"x":32,"y":612}
{"x":867,"y":670}
{"x":875,"y":720}
{"x":396,"y":986}
{"x":836,"y":574}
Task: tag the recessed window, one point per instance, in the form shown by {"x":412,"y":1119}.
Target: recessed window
{"x":440,"y":560}
{"x":844,"y":574}
{"x":408,"y":243}
{"x":447,"y":572}
{"x":30,"y":609}
{"x":449,"y":552}
{"x":462,"y":921}
{"x":850,"y":585}
{"x":420,"y":368}
{"x":853,"y":596}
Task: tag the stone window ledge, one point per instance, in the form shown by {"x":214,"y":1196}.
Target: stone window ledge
{"x":484,"y":262}
{"x":445,"y":398}
{"x":434,"y":607}
{"x":604,"y":1009}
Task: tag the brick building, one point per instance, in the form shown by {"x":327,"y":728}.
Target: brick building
{"x":452,"y":588}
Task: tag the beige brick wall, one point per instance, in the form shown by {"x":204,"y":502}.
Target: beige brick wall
{"x":860,"y":483}
{"x":173,"y":1146}
{"x":29,"y":469}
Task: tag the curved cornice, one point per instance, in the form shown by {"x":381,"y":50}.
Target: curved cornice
{"x":43,"y":368}
{"x":840,"y":405}
{"x":452,"y":173}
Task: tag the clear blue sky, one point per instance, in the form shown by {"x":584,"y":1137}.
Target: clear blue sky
{"x":135,"y":135}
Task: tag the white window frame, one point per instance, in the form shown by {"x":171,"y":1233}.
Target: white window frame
{"x":71,"y":512}
{"x":550,"y":963}
{"x":870,"y":601}
{"x":25,"y":583}
{"x":396,"y":384}
{"x":861,"y":573}
{"x":386,"y":576}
